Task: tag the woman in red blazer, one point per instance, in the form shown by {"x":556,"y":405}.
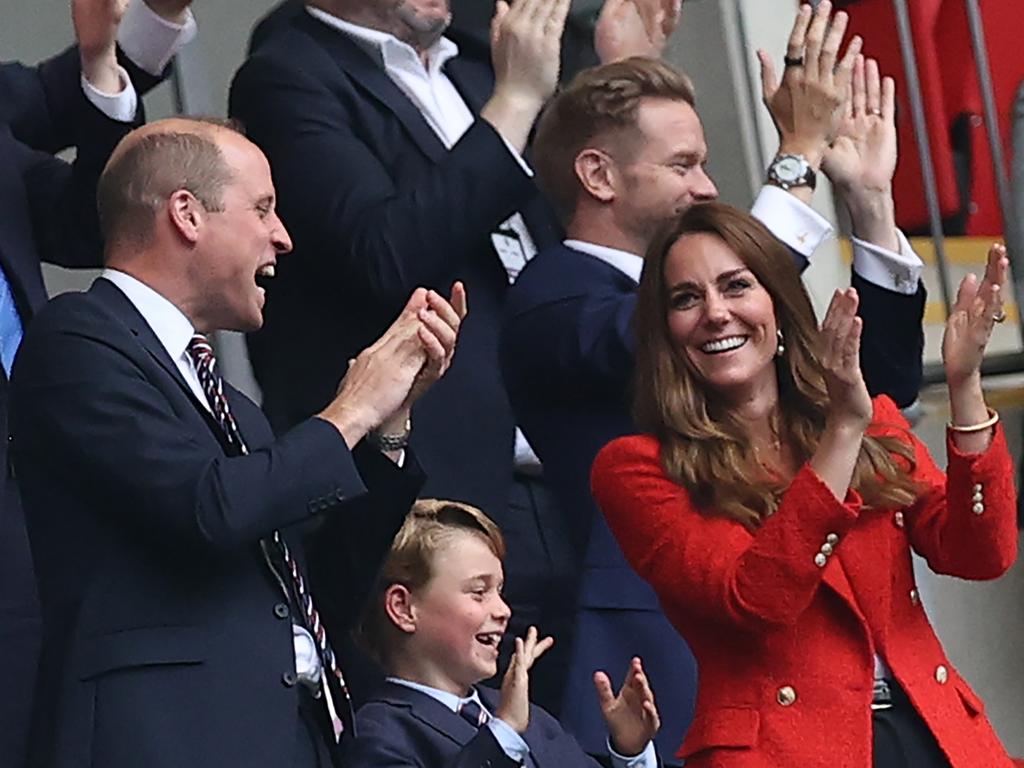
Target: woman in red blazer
{"x":773,"y":506}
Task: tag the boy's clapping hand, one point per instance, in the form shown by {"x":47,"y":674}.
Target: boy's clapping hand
{"x":514,"y":707}
{"x":632,"y":716}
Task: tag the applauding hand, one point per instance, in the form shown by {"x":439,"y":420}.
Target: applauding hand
{"x":514,"y":705}
{"x":969,"y":327}
{"x":631,"y":715}
{"x":635,"y":28}
{"x":850,"y":403}
{"x":96,"y":23}
{"x":526,"y":48}
{"x":808,"y":106}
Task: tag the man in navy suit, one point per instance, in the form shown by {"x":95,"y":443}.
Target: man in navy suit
{"x":399,"y":162}
{"x":177,"y":543}
{"x":435,"y":621}
{"x":620,"y":151}
{"x":85,"y":99}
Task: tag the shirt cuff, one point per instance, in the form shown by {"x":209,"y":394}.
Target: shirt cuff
{"x":899,"y":272}
{"x":151,"y":41}
{"x":117,"y":106}
{"x":519,"y":158}
{"x":646,"y":759}
{"x":511,"y":743}
{"x":792,"y":221}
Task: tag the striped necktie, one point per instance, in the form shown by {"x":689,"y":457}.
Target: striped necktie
{"x":201,"y":352}
{"x":473,"y":713}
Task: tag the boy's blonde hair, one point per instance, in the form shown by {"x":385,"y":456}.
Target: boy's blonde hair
{"x":429,"y":526}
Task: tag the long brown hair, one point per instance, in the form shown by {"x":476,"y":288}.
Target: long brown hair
{"x":704,"y":446}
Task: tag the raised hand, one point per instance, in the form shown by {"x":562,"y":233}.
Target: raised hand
{"x":863,"y":154}
{"x":850,"y":403}
{"x":977,"y":309}
{"x":808,"y":106}
{"x":514,"y":705}
{"x":635,"y":28}
{"x":862,"y":160}
{"x":438,"y":332}
{"x":631,"y":715}
{"x":526,"y":47}
{"x":385,"y":379}
{"x":96,"y":23}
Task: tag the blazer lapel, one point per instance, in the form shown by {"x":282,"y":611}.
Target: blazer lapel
{"x":430,"y":711}
{"x":473,"y":81}
{"x":119,"y":305}
{"x":365,"y":75}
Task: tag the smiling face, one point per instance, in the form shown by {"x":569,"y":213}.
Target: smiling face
{"x":459,"y":616}
{"x":238,"y":243}
{"x":664,"y":175}
{"x":721,"y":319}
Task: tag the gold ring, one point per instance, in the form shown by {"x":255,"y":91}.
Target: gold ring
{"x":999,"y":317}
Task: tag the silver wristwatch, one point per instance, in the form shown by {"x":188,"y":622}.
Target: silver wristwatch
{"x":788,"y":171}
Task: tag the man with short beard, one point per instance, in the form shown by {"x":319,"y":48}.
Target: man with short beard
{"x":400,"y":163}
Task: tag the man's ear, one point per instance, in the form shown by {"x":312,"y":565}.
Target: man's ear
{"x":186,"y":215}
{"x":398,"y":605}
{"x":596,"y":173}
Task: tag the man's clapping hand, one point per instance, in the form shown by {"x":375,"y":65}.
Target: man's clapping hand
{"x":386,"y":378}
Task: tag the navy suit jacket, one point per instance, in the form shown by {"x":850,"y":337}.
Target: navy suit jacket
{"x":567,"y":358}
{"x":403,"y":728}
{"x":376,"y":206}
{"x":167,"y":642}
{"x":49,"y":214}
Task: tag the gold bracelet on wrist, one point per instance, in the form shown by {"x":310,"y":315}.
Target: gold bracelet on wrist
{"x":991,"y":421}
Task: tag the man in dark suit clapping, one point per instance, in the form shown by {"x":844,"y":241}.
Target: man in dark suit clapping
{"x":179,"y":546}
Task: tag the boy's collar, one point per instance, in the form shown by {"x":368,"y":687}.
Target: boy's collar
{"x":450,"y":700}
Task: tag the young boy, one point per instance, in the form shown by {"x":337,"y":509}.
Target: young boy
{"x":434,"y":624}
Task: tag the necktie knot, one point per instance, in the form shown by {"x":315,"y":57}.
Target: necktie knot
{"x":200,"y":350}
{"x":473,"y":713}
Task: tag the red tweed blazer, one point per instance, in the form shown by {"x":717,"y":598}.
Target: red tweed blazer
{"x":784,"y":627}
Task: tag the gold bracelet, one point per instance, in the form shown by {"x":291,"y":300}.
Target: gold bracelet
{"x":991,"y":421}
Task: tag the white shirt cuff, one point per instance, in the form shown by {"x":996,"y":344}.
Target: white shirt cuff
{"x":899,"y":272}
{"x":792,"y":221}
{"x":117,"y":106}
{"x":519,"y":158}
{"x":646,"y":759}
{"x":511,"y":743}
{"x":151,"y":41}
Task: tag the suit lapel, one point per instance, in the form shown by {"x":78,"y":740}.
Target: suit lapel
{"x":473,"y":82}
{"x":431,"y":712}
{"x":118,"y":304}
{"x":365,"y":75}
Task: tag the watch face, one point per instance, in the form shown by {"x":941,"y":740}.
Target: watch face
{"x":789,"y":168}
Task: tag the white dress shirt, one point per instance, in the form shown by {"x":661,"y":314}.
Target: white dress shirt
{"x":512,"y":744}
{"x":151,"y":42}
{"x":174,"y":331}
{"x":444,"y":109}
{"x":803,"y":229}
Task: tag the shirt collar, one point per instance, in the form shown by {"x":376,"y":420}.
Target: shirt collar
{"x":385,"y":49}
{"x":168,"y":323}
{"x":450,"y":700}
{"x":628,"y":263}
